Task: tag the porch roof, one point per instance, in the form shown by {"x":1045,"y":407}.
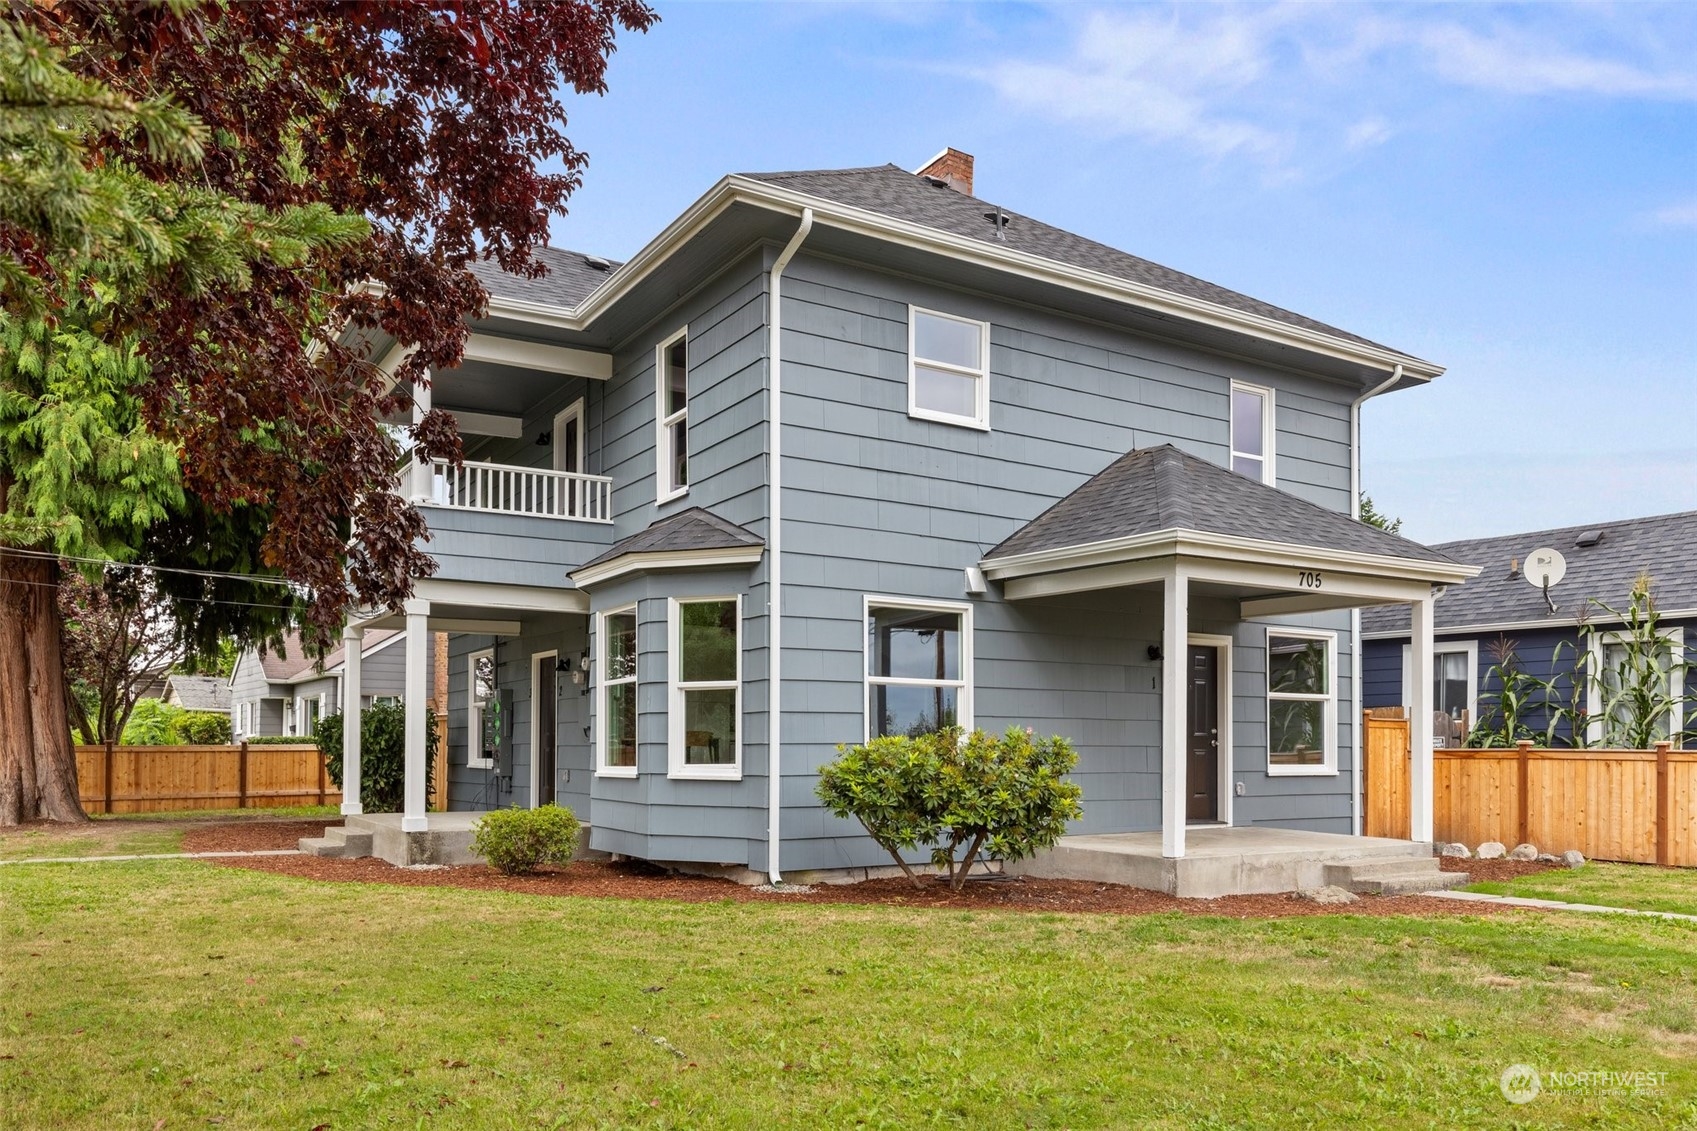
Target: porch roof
{"x":693,"y":537}
{"x":1154,"y":507}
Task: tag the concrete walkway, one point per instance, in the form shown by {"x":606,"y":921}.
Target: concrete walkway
{"x":153,"y":856}
{"x":1554,"y":905}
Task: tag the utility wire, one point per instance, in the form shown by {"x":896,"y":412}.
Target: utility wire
{"x":209,"y":573}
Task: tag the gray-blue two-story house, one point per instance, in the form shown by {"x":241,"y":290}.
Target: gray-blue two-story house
{"x":855,"y":452}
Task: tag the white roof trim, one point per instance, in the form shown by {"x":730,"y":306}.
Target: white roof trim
{"x":642,"y":560}
{"x":1202,"y":544}
{"x":734,"y":189}
{"x":1521,"y":625}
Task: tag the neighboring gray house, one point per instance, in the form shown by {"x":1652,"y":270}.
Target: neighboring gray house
{"x":283,"y":692}
{"x":1500,"y":610}
{"x":197,"y":692}
{"x":852,"y":452}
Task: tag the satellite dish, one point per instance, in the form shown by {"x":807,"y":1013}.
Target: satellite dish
{"x":1545,"y":567}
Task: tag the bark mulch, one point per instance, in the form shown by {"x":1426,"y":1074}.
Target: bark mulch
{"x":1493,"y":871}
{"x":251,"y":835}
{"x":635,"y":880}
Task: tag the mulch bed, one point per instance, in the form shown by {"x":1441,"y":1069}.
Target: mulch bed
{"x":1494,"y":871}
{"x":252,"y":835}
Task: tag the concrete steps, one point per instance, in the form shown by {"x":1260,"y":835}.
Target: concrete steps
{"x":1406,"y":876}
{"x":340,"y":842}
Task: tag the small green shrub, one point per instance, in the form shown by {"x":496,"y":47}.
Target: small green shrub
{"x":152,"y":723}
{"x":1004,"y":795}
{"x":285,"y":740}
{"x":517,"y":841}
{"x":382,"y":754}
{"x":204,"y":728}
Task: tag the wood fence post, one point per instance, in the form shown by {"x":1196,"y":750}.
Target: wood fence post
{"x":1664,"y":802}
{"x":1524,"y":791}
{"x":318,"y":756}
{"x":241,"y":777}
{"x":108,"y":775}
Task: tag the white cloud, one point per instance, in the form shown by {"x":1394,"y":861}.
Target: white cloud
{"x":1681,"y":215}
{"x":1367,"y":133}
{"x":1517,"y":63}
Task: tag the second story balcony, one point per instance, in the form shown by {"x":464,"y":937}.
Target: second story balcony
{"x":495,"y":488}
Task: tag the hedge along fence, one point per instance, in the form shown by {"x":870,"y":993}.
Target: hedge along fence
{"x":1638,"y":806}
{"x":152,"y":779}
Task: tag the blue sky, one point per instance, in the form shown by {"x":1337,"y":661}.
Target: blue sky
{"x":1510,"y":191}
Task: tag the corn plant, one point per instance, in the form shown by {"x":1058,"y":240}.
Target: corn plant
{"x":1632,"y":675}
{"x":1513,"y":698}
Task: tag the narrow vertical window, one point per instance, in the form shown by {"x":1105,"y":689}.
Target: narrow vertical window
{"x":1252,"y":432}
{"x":480,"y":691}
{"x":618,"y":691}
{"x":1301,"y":709}
{"x":948,"y":369}
{"x":672,"y":443}
{"x":706,"y":699}
{"x":916,"y":669}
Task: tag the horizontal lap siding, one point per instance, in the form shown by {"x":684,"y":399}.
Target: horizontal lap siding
{"x":878,"y":503}
{"x":653,"y":816}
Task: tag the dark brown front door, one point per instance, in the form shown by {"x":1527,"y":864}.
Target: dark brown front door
{"x":1202,"y":772}
{"x":547,"y":733}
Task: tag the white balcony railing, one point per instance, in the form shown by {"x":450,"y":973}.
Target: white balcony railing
{"x":499,"y":489}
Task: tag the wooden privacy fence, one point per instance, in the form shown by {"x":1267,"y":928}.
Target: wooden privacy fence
{"x":1632,"y":805}
{"x":151,"y":779}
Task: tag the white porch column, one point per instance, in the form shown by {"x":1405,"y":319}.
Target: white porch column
{"x":1420,"y":720}
{"x":423,"y":489}
{"x":353,"y":639}
{"x":1175,"y":646}
{"x":417,"y":690}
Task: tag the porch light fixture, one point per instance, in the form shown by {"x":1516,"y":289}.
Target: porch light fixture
{"x":1154,"y":653}
{"x":543,"y":439}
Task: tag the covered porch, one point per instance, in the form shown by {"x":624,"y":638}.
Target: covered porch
{"x":1160,"y":520}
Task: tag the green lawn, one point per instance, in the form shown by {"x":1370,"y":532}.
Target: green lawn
{"x":197,"y":995}
{"x":92,"y":840}
{"x":1641,"y":886}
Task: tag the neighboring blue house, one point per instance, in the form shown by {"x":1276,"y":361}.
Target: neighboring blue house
{"x":853,"y":452}
{"x":1499,"y":610}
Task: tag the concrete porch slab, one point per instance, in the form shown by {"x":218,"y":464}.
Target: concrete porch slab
{"x":1218,"y":861}
{"x":446,"y":839}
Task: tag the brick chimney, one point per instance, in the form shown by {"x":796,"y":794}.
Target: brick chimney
{"x":952,"y":166}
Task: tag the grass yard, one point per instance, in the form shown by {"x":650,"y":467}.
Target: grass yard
{"x":97,"y":839}
{"x":181,"y":994}
{"x":1642,"y":886}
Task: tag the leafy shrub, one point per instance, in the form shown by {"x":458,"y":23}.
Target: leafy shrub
{"x":382,"y":754}
{"x":285,"y":740}
{"x":517,"y":841}
{"x":152,"y":723}
{"x":1006,"y":796}
{"x":203,"y":728}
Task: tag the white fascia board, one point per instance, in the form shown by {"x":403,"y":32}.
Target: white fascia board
{"x":565,"y":360}
{"x":487,"y":424}
{"x":1520,"y":625}
{"x":1200,"y":544}
{"x":506,"y":598}
{"x":733,"y":190}
{"x":665,"y":559}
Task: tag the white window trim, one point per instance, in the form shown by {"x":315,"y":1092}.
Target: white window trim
{"x":602,"y":769}
{"x":573,"y":411}
{"x":981,"y":420}
{"x":1440,"y":648}
{"x":1223,"y":647}
{"x":535,"y":726}
{"x":1328,"y":767}
{"x":664,"y":492}
{"x":676,"y":768}
{"x":964,"y":708}
{"x":474,"y":713}
{"x":1269,"y":433}
{"x":1594,"y":663}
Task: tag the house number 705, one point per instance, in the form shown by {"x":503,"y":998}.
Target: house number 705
{"x":1308,"y":579}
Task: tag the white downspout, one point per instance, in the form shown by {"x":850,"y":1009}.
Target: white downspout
{"x":775,"y":553}
{"x":1355,"y":614}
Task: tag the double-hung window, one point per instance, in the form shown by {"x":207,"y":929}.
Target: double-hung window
{"x":671,"y":390}
{"x":705,"y":659}
{"x":1301,"y":702}
{"x":1252,"y":431}
{"x":480,"y":692}
{"x":918,"y":667}
{"x":1617,"y":664}
{"x":617,"y":708}
{"x":948,"y":369}
{"x":1455,"y":689}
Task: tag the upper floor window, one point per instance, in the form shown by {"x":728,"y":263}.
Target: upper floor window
{"x":706,"y":692}
{"x":671,"y":452}
{"x":948,"y":369}
{"x":917,"y":666}
{"x":1252,"y":432}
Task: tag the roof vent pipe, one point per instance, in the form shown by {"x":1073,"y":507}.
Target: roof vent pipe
{"x":775,"y":552}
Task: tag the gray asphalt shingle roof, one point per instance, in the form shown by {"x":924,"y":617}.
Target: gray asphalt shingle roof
{"x":1661,"y":545}
{"x":1162,"y":488}
{"x":692,"y":529}
{"x":569,"y":281}
{"x":200,"y":692}
{"x":893,"y":191}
